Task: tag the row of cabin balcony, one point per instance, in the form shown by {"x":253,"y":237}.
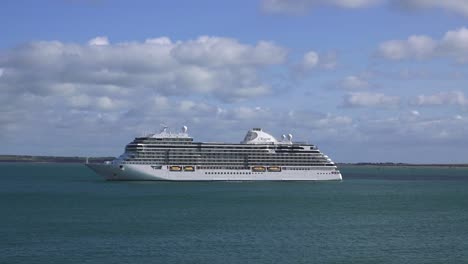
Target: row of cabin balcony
{"x":198,"y":153}
{"x":244,"y":147}
{"x":230,"y":161}
{"x":227,"y":147}
{"x":288,"y":157}
{"x":235,"y":164}
{"x":227,"y":159}
{"x":230,"y":158}
{"x":276,"y":163}
{"x":223,"y":153}
{"x":233,"y":158}
{"x":226,"y":154}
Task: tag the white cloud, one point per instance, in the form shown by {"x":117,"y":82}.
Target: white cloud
{"x":94,"y":132}
{"x":414,"y":47}
{"x":252,"y":113}
{"x":456,"y":6}
{"x":159,"y":102}
{"x":159,"y":41}
{"x":221,"y":67}
{"x":304,"y":6}
{"x":80,"y":101}
{"x":99,"y":41}
{"x":454,"y":45}
{"x":415,"y":130}
{"x":442,"y":98}
{"x":353,"y":82}
{"x":215,"y":51}
{"x":332,"y":121}
{"x":105,"y":102}
{"x":312,"y":60}
{"x":354,"y":3}
{"x":328,"y":60}
{"x":83,"y":88}
{"x":364,"y":99}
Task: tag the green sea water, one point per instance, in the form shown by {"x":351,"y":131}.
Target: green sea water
{"x":64,"y":213}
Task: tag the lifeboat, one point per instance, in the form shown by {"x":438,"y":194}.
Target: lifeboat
{"x":258,"y":169}
{"x":175,"y":168}
{"x":189,"y":168}
{"x":274,"y":169}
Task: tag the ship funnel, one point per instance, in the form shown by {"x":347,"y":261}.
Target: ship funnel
{"x":184,"y":129}
{"x":290,"y":137}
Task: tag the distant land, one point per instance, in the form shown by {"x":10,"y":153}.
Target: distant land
{"x":401,"y":164}
{"x":77,"y":159}
{"x":52,"y":159}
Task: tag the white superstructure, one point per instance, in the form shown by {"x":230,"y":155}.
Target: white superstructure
{"x":175,"y":157}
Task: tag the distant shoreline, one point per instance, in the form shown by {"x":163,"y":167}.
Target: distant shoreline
{"x":51,"y":159}
{"x":389,"y":164}
{"x":78,"y":159}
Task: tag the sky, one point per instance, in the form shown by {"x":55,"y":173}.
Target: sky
{"x":364,"y":80}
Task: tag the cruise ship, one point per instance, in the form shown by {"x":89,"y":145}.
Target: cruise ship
{"x":170,"y":156}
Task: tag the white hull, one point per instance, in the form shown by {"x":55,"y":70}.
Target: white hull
{"x":139,"y":172}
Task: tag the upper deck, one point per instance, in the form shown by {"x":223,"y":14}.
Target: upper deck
{"x":255,"y":136}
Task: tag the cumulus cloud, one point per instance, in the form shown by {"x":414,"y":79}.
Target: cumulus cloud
{"x":454,"y":44}
{"x":415,"y":129}
{"x":455,"y":6}
{"x":101,"y":124}
{"x":312,"y":60}
{"x":353,"y":82}
{"x":99,"y":41}
{"x":328,"y":60}
{"x":303,"y":6}
{"x":363,"y":99}
{"x":215,"y":51}
{"x":93,"y":88}
{"x":217,"y":66}
{"x":414,"y":46}
{"x":298,"y":7}
{"x":325,"y":129}
{"x":441,"y":98}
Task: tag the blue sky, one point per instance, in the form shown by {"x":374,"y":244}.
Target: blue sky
{"x":365,"y":80}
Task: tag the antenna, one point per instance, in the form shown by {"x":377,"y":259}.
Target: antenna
{"x":164,"y":128}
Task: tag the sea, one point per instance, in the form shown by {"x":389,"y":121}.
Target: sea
{"x":65,"y":213}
